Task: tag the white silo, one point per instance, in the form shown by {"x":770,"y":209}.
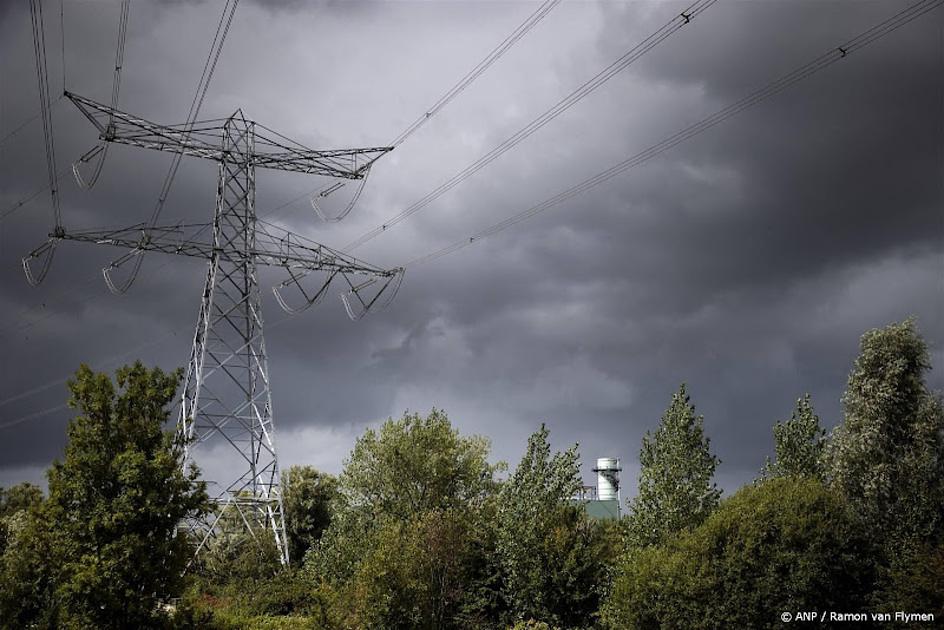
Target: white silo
{"x":608,"y":484}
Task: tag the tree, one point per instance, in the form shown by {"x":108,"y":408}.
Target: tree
{"x":22,"y":496}
{"x":307,"y":496}
{"x":550,"y":555}
{"x":414,"y":574}
{"x":107,"y":535}
{"x":27,"y":586}
{"x":410,"y":503}
{"x":798,"y":444}
{"x":915,"y":584}
{"x":887,"y":457}
{"x":676,"y":491}
{"x":14,"y":500}
{"x":784,"y":544}
{"x":416,"y":464}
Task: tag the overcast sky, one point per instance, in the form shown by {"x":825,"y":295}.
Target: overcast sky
{"x":745,"y":262}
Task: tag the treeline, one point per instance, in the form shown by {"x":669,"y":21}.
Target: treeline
{"x":420,"y":530}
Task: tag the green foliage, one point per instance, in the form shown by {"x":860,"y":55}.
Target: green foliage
{"x":283,"y":600}
{"x":785,"y":544}
{"x":237,"y":556}
{"x":550,"y":555}
{"x":402,"y":548}
{"x":307,"y":495}
{"x":22,"y":496}
{"x":676,"y":491}
{"x":915,"y":582}
{"x":798,"y":444}
{"x":27,"y":571}
{"x":14,"y":500}
{"x":887,"y":458}
{"x":413,"y":575}
{"x":531,"y":624}
{"x":409,"y":467}
{"x":416,"y":464}
{"x":102,"y":550}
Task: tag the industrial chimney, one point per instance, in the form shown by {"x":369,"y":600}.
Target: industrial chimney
{"x":608,"y":486}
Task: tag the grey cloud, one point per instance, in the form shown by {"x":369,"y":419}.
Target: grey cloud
{"x":745,"y":262}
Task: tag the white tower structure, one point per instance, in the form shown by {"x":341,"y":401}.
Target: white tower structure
{"x":608,"y":482}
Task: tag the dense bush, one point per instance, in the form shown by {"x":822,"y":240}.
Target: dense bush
{"x":786,"y":544}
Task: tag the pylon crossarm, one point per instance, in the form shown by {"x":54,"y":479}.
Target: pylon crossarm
{"x":274,"y":247}
{"x":204,"y":139}
{"x":277,"y":247}
{"x":342,"y":163}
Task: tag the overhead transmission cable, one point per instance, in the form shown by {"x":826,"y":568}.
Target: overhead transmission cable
{"x":37,"y":115}
{"x":42,"y":76}
{"x":26,"y":200}
{"x":826,"y":59}
{"x":101,"y":148}
{"x":209,"y":67}
{"x":109,"y":361}
{"x":10,"y":134}
{"x":630,"y":56}
{"x":62,"y":40}
{"x":475,"y":72}
{"x":494,"y":55}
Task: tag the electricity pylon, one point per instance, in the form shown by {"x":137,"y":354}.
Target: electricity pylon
{"x":226,"y":399}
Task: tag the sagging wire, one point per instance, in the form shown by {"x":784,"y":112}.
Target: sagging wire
{"x":494,"y":55}
{"x":209,"y":67}
{"x":45,"y":252}
{"x":780,"y":84}
{"x":100,"y":150}
{"x":590,"y":85}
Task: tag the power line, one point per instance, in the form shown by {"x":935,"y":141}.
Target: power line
{"x":62,"y":33}
{"x":841,"y":52}
{"x":32,"y":416}
{"x":539,"y":14}
{"x":556,"y":110}
{"x":101,"y":148}
{"x":494,"y":55}
{"x":209,"y":67}
{"x":26,"y":122}
{"x":42,"y":75}
{"x":26,"y":200}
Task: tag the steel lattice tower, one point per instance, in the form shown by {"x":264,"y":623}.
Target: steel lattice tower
{"x":226,"y":398}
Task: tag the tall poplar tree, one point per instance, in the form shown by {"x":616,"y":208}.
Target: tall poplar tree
{"x":887,"y":457}
{"x":798,"y":444}
{"x":676,"y":487}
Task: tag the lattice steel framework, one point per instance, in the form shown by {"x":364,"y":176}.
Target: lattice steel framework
{"x":226,"y":398}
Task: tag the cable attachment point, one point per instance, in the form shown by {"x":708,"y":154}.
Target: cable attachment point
{"x":365,"y":297}
{"x":45,"y":253}
{"x":330,"y":189}
{"x":134,"y":255}
{"x":100,"y":150}
{"x":309,"y":299}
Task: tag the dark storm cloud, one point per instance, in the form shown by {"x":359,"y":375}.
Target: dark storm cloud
{"x":745,"y":262}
